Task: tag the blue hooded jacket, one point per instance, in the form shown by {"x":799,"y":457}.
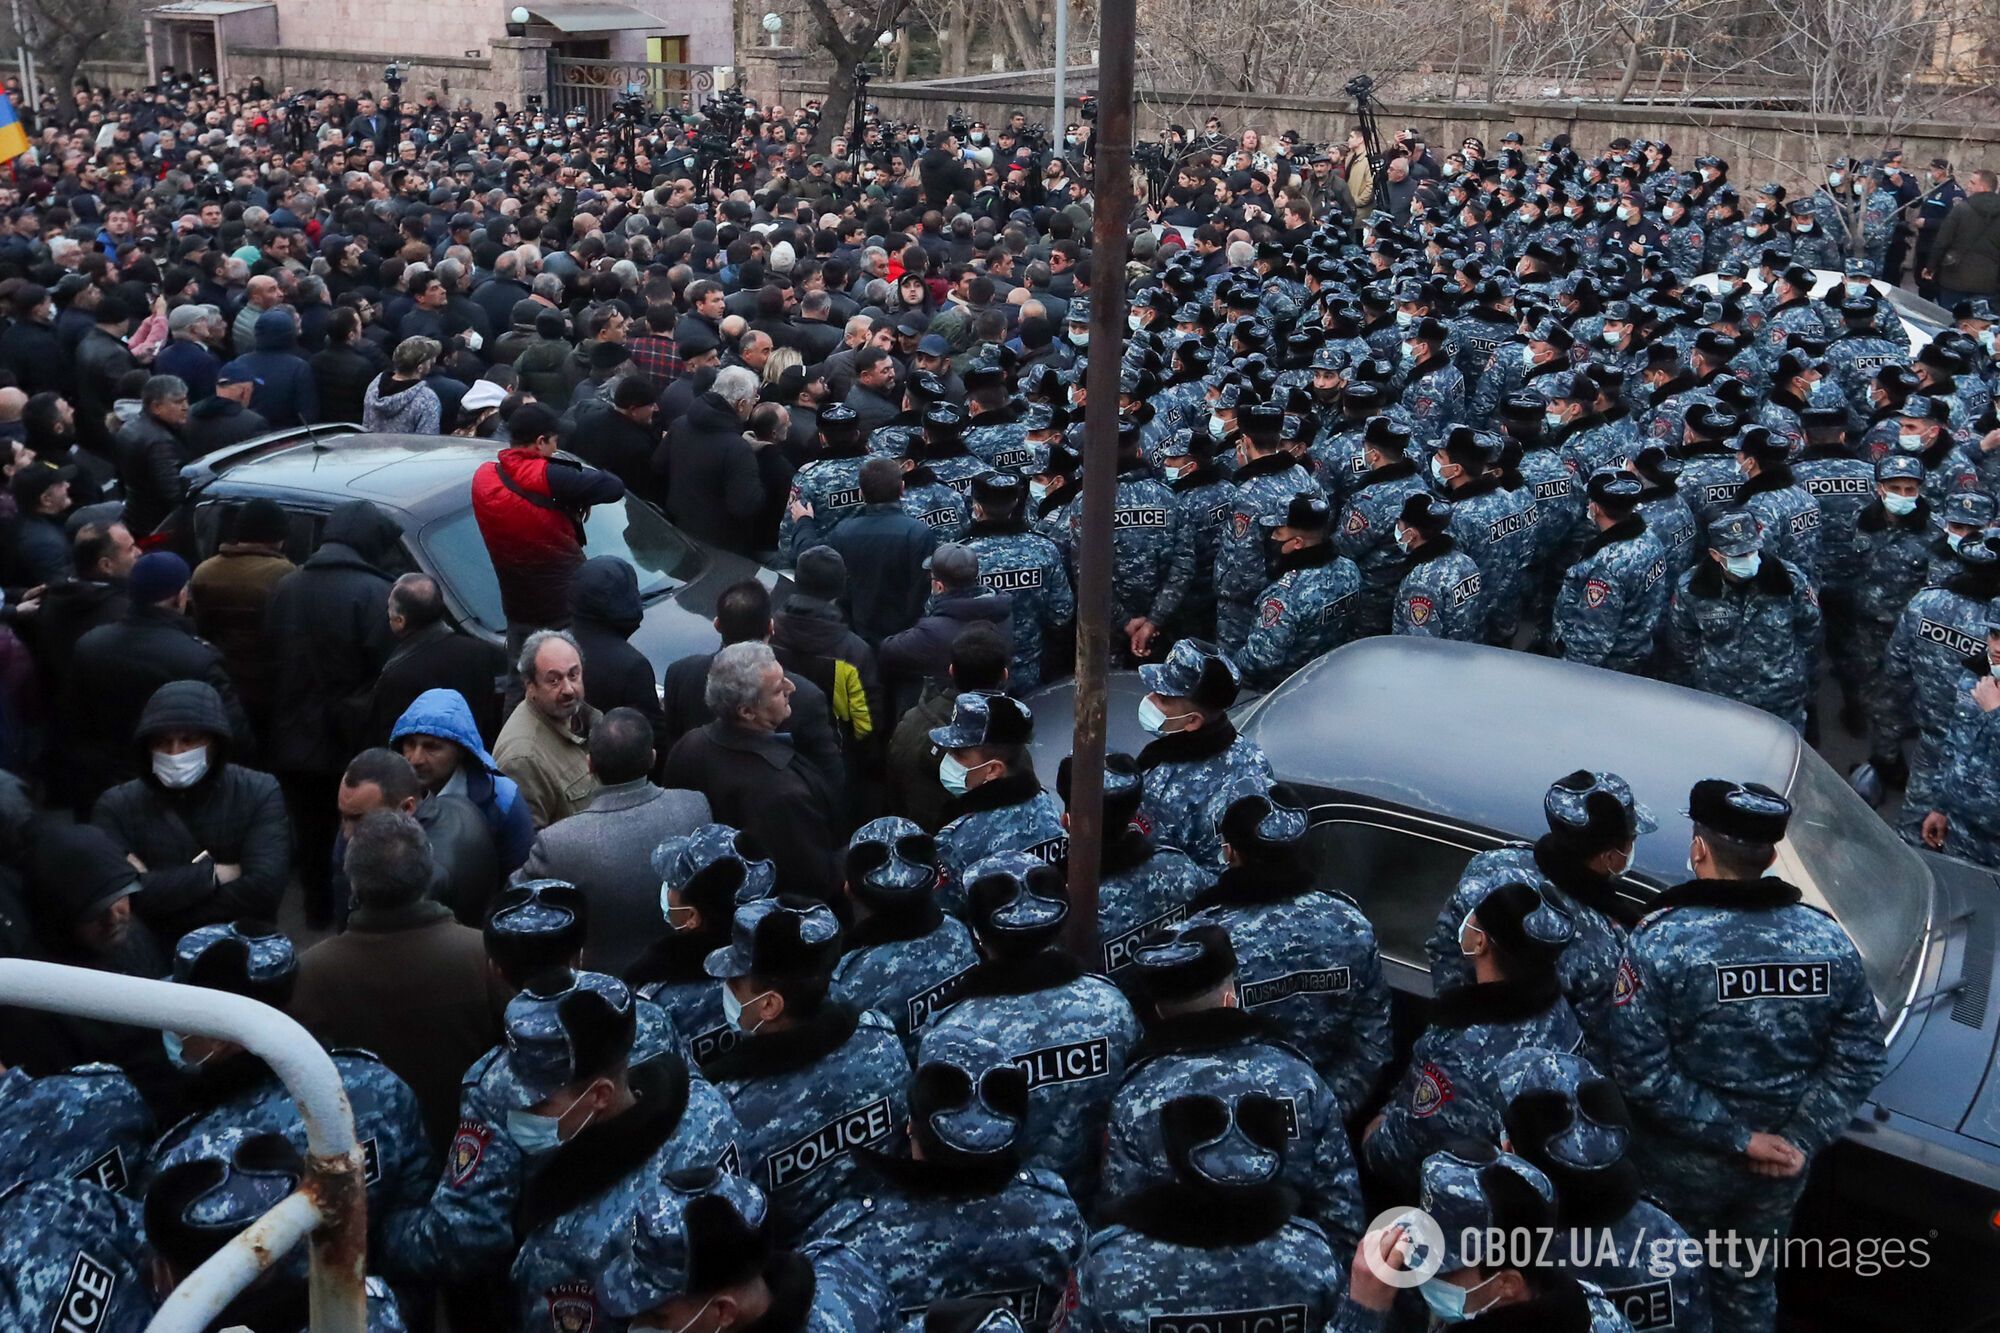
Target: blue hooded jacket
{"x":286,"y":394}
{"x":445,"y":714}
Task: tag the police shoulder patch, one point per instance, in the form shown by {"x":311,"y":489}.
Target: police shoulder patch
{"x":468,"y":1147}
{"x":1273,"y":612}
{"x":1626,"y":984}
{"x":1239,"y":524}
{"x":1420,"y":609}
{"x":1357,"y":522}
{"x":1595,"y":592}
{"x":1432,"y":1091}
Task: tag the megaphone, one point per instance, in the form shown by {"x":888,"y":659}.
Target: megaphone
{"x":982,"y":157}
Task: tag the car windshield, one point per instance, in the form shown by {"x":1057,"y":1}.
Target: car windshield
{"x":632,"y":531}
{"x":1841,"y":852}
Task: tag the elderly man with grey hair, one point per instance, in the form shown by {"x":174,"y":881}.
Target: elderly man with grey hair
{"x":709,"y":471}
{"x":150,"y":450}
{"x":544,"y":745}
{"x":744,"y":762}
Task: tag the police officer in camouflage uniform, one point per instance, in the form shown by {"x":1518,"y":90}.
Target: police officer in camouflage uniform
{"x":1788,"y":517}
{"x":700,"y":1245}
{"x":1028,"y":567}
{"x":902,"y":957}
{"x":596,"y":1130}
{"x":1070,"y":1031}
{"x":960,"y":1216}
{"x":1744,"y":1035}
{"x":68,"y":1246}
{"x":210,"y":1190}
{"x":1613,"y":596}
{"x":1570,"y":1122}
{"x":1199,"y":1039}
{"x":1513,"y":937}
{"x":1196,"y":754}
{"x":1492,"y":520}
{"x":1966,"y":796}
{"x":827,"y":488}
{"x":1266,"y":479}
{"x":811,"y":1079}
{"x":1206,"y":497}
{"x":1433,"y":390}
{"x":1366,"y":530}
{"x":1936,"y":632}
{"x":1142,"y":884}
{"x":704,"y":877}
{"x":1442,"y":593}
{"x":229,"y":1088}
{"x":1594,"y":823}
{"x":1470,"y":1192}
{"x":997,"y":804}
{"x":1218,"y":1244}
{"x":1743,"y":624}
{"x":1882,"y":570}
{"x":1667,"y":515}
{"x":89,"y":1123}
{"x":1308,"y":609}
{"x":1152,"y":560}
{"x":1857,"y":355}
{"x":1842,"y":485}
{"x":937,"y":498}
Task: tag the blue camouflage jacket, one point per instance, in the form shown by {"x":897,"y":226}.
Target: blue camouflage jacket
{"x":907,"y":969}
{"x":87,"y":1124}
{"x":1442,"y":595}
{"x":1183,"y":773}
{"x":1307,"y":612}
{"x":1752,"y":641}
{"x":1142,"y":886}
{"x":1612,"y":598}
{"x":1008,"y":814}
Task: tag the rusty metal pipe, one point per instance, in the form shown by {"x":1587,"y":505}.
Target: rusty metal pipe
{"x":230,"y":1271}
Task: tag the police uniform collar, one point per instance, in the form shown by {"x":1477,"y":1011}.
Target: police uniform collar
{"x":1618,"y":411}
{"x":607,"y":1151}
{"x":1567,"y":872}
{"x":1203,"y":1030}
{"x":857,"y":448}
{"x":1821,"y":452}
{"x":1735,"y":895}
{"x":1796,"y":303}
{"x":1058,"y":496}
{"x":1395,"y":471}
{"x":1270,"y":465}
{"x":792,"y":1283}
{"x":1492,"y":1002}
{"x":1136,"y":466}
{"x":764,"y":1054}
{"x":1188,"y":747}
{"x":920,"y":475}
{"x":1201,"y":476}
{"x":1003,"y":791}
{"x":1935,"y":452}
{"x":1979,"y":664}
{"x":1786,"y":398}
{"x":1561,"y":1307}
{"x":1770,"y":578}
{"x":1427,"y":365}
{"x":1705,"y":449}
{"x":1208,"y":1217}
{"x":921,"y":919}
{"x":1258,"y":884}
{"x":676,"y":958}
{"x":1560,"y":364}
{"x":975,"y":1174}
{"x":1125,"y":851}
{"x":1680,"y":383}
{"x":1434,"y":548}
{"x":1043,"y":970}
{"x":1661,"y":490}
{"x":1624,"y":530}
{"x":1475,"y":488}
{"x":1981,"y":582}
{"x":1719,"y":373}
{"x":1307,"y":557}
{"x":996,"y":527}
{"x":1776,"y":477}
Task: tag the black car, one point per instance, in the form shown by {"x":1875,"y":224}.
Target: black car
{"x":425,"y":484}
{"x":1415,"y":754}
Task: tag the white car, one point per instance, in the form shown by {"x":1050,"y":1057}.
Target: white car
{"x":1922,"y":320}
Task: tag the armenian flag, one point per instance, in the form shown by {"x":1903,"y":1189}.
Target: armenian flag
{"x":13,"y":139}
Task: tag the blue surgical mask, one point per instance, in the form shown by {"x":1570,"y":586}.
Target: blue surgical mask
{"x":1902,"y":506}
{"x":1834,"y":178}
{"x":1134,"y":323}
{"x":1404,"y":319}
{"x":1411,"y":353}
{"x":1218,"y":429}
{"x":1956,"y":540}
{"x":1987,"y":338}
{"x":1610,"y":337}
{"x":1552,"y":419}
{"x":1152,"y":718}
{"x":1038,"y":491}
{"x":953,"y":775}
{"x":533,"y":1134}
{"x":1910,"y":442}
{"x":1446,"y":1301}
{"x":176,"y":1055}
{"x":732,"y":1008}
{"x":1742,"y":566}
{"x":1406,"y":538}
{"x":1437,"y":470}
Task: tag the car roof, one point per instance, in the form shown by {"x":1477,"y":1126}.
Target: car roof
{"x":423,"y":475}
{"x":1461,"y":731}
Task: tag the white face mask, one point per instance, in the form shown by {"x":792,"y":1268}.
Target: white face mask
{"x":1465,"y":924}
{"x":1741,"y":566}
{"x":1910,"y":442}
{"x":732,"y":1008}
{"x":183,"y":769}
{"x":1902,"y":506}
{"x":1038,"y":491}
{"x":1153,"y":719}
{"x":953,"y":776}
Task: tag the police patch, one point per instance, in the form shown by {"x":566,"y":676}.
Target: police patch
{"x":859,"y":1127}
{"x":1357,"y":522}
{"x":1644,"y":1307}
{"x":1803,"y":979}
{"x":1433,"y":1090}
{"x":86,"y":1297}
{"x":1420,"y":610}
{"x":467,"y":1147}
{"x":572,"y":1307}
{"x":1239,"y":524}
{"x":1270,"y":1319}
{"x":106,"y":1171}
{"x":1626,"y":984}
{"x":1273,"y":612}
{"x":1595,"y":592}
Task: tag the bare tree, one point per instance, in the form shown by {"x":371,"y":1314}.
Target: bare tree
{"x":848,"y":36}
{"x":63,"y":33}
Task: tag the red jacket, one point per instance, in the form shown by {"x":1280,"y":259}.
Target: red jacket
{"x":533,"y":529}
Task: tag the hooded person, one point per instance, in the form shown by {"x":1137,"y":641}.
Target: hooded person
{"x":1570,"y":1122}
{"x":704,"y":878}
{"x":605,"y":611}
{"x":959,"y":1215}
{"x":286,"y":394}
{"x":210,"y":837}
{"x":328,"y":631}
{"x":436,"y":734}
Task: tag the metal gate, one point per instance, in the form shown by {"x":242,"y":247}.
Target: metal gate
{"x":595,"y":85}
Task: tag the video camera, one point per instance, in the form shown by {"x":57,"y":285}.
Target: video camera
{"x":957,"y":124}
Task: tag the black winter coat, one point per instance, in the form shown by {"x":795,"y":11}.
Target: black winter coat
{"x":762,"y":785}
{"x":215,"y":423}
{"x":235,"y":814}
{"x":328,"y":628}
{"x":438,"y":657}
{"x":150,"y":455}
{"x":342,"y":375}
{"x":605,"y":610}
{"x":712,"y":483}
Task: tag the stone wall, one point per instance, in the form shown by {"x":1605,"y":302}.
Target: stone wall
{"x":1760,"y":145}
{"x":511,"y":68}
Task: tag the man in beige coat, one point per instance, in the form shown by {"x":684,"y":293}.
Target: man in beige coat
{"x":543,"y":746}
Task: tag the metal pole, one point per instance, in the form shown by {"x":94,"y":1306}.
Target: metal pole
{"x":334,"y":1182}
{"x":207,"y":1291}
{"x":1057,"y":118}
{"x":1112,"y":189}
